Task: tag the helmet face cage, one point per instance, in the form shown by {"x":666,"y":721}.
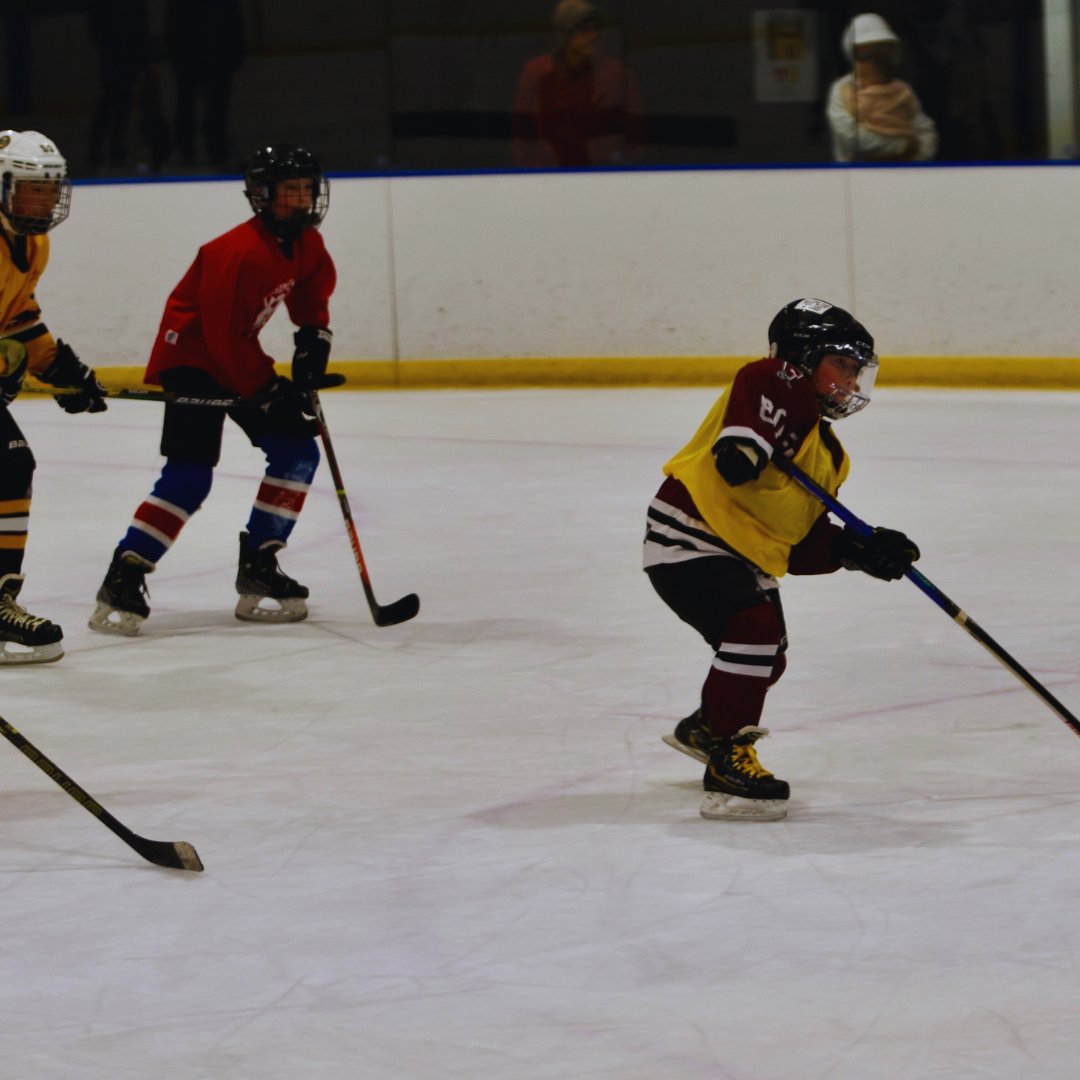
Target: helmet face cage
{"x":270,"y":166}
{"x":35,"y":191}
{"x":839,"y":399}
{"x":805,"y":331}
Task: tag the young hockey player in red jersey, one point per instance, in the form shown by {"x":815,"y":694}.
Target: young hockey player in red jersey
{"x":35,"y":196}
{"x":727,"y":523}
{"x":208,"y":346}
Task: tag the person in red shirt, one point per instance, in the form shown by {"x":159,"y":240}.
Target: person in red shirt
{"x":726,"y":524}
{"x":576,"y":106}
{"x":208,"y":346}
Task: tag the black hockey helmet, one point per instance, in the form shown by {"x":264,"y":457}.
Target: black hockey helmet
{"x":804,"y":331}
{"x":267,"y":167}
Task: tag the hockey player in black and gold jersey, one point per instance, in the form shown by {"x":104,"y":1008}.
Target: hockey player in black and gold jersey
{"x":35,"y":195}
{"x":727,"y":523}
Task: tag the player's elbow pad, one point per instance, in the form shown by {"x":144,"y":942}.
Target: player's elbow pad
{"x":738,"y":461}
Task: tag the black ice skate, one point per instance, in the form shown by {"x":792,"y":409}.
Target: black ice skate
{"x":121,"y":600}
{"x":25,"y":638}
{"x":259,"y":578}
{"x":692,"y":736}
{"x":737,"y":786}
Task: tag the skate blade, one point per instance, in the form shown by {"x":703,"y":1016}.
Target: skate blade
{"x":110,"y":621}
{"x":718,"y":806}
{"x":684,"y":749}
{"x":13,"y":653}
{"x":248,"y":609}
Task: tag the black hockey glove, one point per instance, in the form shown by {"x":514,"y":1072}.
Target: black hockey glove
{"x":68,"y":371}
{"x":13,"y":359}
{"x":287,"y":406}
{"x":311,"y":357}
{"x":738,"y":461}
{"x":885,"y":553}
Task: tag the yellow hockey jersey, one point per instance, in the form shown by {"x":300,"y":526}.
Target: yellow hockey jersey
{"x":776,"y":408}
{"x":22,"y":262}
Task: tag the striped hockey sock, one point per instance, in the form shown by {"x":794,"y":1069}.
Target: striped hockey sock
{"x":747,"y":662}
{"x":290,"y":468}
{"x":14,"y":522}
{"x":180,"y":491}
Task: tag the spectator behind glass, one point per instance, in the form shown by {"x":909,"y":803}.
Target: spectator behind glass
{"x":127,"y":73}
{"x":205,"y":44}
{"x":874,"y":116}
{"x":576,"y":106}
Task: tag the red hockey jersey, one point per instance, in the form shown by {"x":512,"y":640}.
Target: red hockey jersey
{"x":213,"y":318}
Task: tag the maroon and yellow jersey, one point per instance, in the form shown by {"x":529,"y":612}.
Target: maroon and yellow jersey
{"x":773,"y":405}
{"x":213,"y":318}
{"x":22,"y":262}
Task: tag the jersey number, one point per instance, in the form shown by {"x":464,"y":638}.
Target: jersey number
{"x":770,"y":414}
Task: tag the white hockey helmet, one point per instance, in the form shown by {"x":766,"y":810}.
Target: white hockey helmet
{"x":35,"y":191}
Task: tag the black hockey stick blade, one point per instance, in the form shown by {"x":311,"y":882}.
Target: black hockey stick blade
{"x":408,"y":607}
{"x":177,"y":855}
{"x":381,"y":614}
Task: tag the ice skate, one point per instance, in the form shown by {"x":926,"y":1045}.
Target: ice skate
{"x":737,"y":786}
{"x":692,"y":736}
{"x":121,"y":600}
{"x":25,"y":638}
{"x":267,"y":593}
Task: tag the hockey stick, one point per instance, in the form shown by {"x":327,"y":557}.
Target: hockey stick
{"x":178,"y":856}
{"x":384,"y":614}
{"x":224,"y":402}
{"x":927,"y":586}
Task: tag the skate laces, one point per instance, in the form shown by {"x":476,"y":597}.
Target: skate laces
{"x":16,"y":615}
{"x":131,"y":573}
{"x":743,"y":755}
{"x":744,"y":759}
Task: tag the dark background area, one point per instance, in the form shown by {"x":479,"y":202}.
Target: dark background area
{"x":401,"y":85}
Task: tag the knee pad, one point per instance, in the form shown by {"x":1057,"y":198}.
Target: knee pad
{"x":17,"y":475}
{"x":184,"y":484}
{"x":757,"y":625}
{"x":288,"y":458}
{"x":751,"y":644}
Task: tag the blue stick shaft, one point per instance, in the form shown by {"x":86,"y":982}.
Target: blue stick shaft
{"x":930,"y":589}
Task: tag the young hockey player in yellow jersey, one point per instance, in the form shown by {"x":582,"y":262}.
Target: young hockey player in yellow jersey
{"x":726,"y":523}
{"x":35,"y":195}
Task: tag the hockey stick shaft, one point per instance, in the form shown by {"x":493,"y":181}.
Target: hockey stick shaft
{"x":178,"y":855}
{"x":170,"y":397}
{"x":960,"y":617}
{"x":923,"y":583}
{"x":226,"y":401}
{"x":383,"y":614}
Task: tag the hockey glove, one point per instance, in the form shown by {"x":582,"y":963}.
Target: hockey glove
{"x":738,"y":461}
{"x":68,"y":371}
{"x":13,"y":359}
{"x":286,"y":406}
{"x":311,"y":357}
{"x":885,"y":553}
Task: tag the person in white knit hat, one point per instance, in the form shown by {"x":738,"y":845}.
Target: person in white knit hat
{"x":875,"y":116}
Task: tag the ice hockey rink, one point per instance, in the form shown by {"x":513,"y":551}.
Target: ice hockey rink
{"x":457,"y":849}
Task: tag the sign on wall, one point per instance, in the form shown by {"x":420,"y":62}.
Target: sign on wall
{"x":785,"y":55}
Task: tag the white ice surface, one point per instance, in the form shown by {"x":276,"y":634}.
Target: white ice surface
{"x":457,"y":849}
